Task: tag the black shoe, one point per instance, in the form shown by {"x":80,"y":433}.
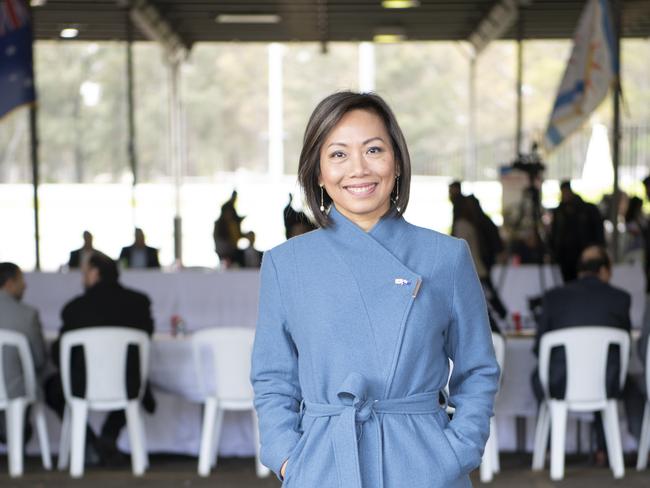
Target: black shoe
{"x":110,"y":455}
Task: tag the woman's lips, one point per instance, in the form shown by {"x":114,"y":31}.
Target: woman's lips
{"x":361,"y":190}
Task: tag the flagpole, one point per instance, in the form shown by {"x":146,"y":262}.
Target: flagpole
{"x":616,"y":131}
{"x":33,"y":143}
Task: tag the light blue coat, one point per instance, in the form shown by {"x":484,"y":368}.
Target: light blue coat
{"x":351,"y":351}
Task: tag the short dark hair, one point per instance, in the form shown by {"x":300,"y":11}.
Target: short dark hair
{"x":593,"y":265}
{"x":8,"y":271}
{"x":108,"y":271}
{"x":325,"y":116}
{"x":565,"y":185}
{"x":455,"y":184}
{"x":646,"y":180}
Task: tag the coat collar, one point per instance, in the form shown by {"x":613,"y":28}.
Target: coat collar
{"x":387,"y":236}
{"x":386,"y":285}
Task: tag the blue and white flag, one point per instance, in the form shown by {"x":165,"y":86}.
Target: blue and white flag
{"x":591,"y":70}
{"x":16,"y":73}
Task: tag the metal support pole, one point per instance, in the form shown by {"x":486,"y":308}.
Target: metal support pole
{"x":470,"y":156}
{"x":366,"y":67}
{"x":276,"y":116}
{"x":131,"y":152}
{"x":33,"y":139}
{"x":520,"y":56}
{"x":616,"y":129}
{"x":176,"y":152}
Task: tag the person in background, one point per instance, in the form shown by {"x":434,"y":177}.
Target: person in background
{"x":576,"y":225}
{"x":139,"y":255}
{"x":635,"y":232}
{"x":587,"y":301}
{"x":646,"y":184}
{"x":252,"y":257}
{"x":469,"y":224}
{"x":105,"y":302}
{"x":295,"y":223}
{"x":226,"y":234}
{"x":79,"y":256}
{"x":18,"y":317}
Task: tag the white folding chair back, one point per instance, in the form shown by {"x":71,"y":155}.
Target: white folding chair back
{"x":15,"y":407}
{"x":586,"y":351}
{"x":227,"y":351}
{"x":490,"y":464}
{"x":586,"y":362}
{"x":644,"y":441}
{"x":105,"y":352}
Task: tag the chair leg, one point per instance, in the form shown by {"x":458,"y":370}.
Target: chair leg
{"x":487,"y":468}
{"x":15,"y":428}
{"x":644,"y":442}
{"x":145,"y":448}
{"x":541,"y":437}
{"x":79,"y":411}
{"x":558,"y":436}
{"x":218,"y":425}
{"x":496,"y":464}
{"x":64,"y":441}
{"x":613,"y":438}
{"x":43,"y":439}
{"x":136,"y":437}
{"x":207,"y":435}
{"x":261,"y":470}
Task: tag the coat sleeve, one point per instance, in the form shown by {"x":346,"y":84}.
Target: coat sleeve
{"x":274,"y":373}
{"x":475,"y":377}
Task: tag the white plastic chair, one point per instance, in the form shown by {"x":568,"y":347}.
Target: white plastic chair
{"x":105,"y":351}
{"x":644,"y":442}
{"x":15,"y":407}
{"x":490,"y":464}
{"x":586,"y":363}
{"x":229,"y":352}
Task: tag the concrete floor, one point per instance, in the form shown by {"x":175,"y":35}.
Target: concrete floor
{"x":176,"y":471}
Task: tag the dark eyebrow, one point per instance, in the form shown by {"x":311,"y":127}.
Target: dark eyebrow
{"x":373,"y":139}
{"x":337,"y":144}
{"x":376,"y":138}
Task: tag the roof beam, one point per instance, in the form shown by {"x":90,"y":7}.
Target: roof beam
{"x":502,"y":15}
{"x":153,"y":25}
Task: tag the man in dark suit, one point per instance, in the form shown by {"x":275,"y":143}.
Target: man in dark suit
{"x":139,"y":255}
{"x":587,"y":301}
{"x":78,"y":256}
{"x":104,"y":303}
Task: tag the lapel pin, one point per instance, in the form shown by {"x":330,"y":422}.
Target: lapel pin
{"x":401,"y":281}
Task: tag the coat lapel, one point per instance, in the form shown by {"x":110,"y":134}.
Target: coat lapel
{"x":386,"y":285}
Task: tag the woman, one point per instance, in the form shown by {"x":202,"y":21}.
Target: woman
{"x":357,"y":321}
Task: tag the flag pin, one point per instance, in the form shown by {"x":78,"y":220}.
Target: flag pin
{"x":401,"y":281}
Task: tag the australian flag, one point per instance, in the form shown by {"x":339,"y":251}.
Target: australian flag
{"x":16,"y":72}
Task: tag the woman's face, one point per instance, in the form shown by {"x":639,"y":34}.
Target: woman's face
{"x":357,"y":167}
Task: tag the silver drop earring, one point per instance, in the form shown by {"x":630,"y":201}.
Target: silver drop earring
{"x":397,"y":193}
{"x":322,"y":202}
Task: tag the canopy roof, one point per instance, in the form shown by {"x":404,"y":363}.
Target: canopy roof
{"x":325,"y":20}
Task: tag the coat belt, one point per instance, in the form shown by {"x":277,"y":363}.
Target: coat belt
{"x":355,"y":408}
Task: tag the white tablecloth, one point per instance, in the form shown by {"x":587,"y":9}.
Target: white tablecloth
{"x":201,"y":299}
{"x":230,"y":298}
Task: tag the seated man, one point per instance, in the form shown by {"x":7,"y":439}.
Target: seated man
{"x":79,"y":256}
{"x":104,"y":303}
{"x":138,"y":254}
{"x":589,"y":300}
{"x":18,"y":317}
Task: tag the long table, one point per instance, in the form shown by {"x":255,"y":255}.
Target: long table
{"x":213,"y":299}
